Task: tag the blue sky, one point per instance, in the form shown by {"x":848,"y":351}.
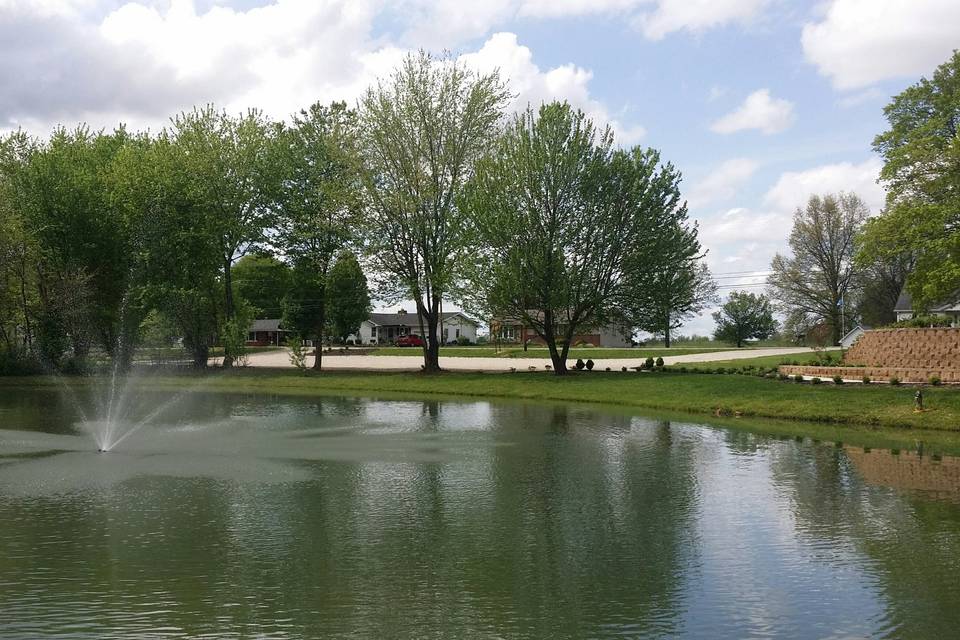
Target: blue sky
{"x":759,"y":102}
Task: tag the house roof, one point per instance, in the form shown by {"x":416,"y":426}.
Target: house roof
{"x":905,"y":302}
{"x":410,"y":319}
{"x":268,"y":324}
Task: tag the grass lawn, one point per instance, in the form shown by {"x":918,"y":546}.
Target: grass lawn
{"x":595,"y":353}
{"x":702,"y":394}
{"x":760,"y":361}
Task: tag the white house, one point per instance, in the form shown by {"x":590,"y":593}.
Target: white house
{"x":385,"y":328}
{"x":949,"y":309}
{"x":852,"y":336}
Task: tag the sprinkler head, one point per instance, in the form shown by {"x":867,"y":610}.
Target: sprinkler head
{"x":101,"y":450}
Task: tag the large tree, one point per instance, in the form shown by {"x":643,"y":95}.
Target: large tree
{"x":744,"y":316}
{"x":559,"y":218}
{"x":231,"y":171}
{"x":820,"y":281}
{"x":882,"y":281}
{"x":921,"y":171}
{"x":348,"y":300}
{"x":319,"y":206}
{"x":421,"y":132}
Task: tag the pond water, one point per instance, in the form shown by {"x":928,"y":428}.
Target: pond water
{"x":267,"y":517}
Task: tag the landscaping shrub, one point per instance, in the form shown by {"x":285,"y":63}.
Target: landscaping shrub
{"x":607,"y":369}
{"x":935,"y":381}
{"x":816,"y":381}
{"x":922,"y":322}
{"x":895,"y":381}
{"x":623,"y":369}
{"x":721,"y":370}
{"x":837,"y":380}
{"x":866,"y":379}
{"x":782,"y":376}
{"x":648,"y":363}
{"x":659,"y":362}
{"x":589,"y":365}
{"x":798,"y":378}
{"x":580,"y":364}
{"x":463,"y":341}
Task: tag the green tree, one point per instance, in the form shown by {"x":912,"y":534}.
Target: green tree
{"x":420,"y":134}
{"x":300,"y":306}
{"x":559,"y":221}
{"x":821,"y":282}
{"x":348,"y":300}
{"x":921,"y":172}
{"x":882,"y":282}
{"x":262,"y":281}
{"x":744,"y":316}
{"x":318,"y":202}
{"x":232,"y":170}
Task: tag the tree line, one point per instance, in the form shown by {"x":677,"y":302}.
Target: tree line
{"x":108,"y":239}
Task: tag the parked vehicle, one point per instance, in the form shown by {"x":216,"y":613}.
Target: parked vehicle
{"x":409,"y":341}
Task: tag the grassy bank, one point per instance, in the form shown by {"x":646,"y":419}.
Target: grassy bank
{"x":691,"y":393}
{"x":595,"y":353}
{"x":760,"y":361}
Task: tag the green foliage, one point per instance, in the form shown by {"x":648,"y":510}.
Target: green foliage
{"x":301,"y":304}
{"x":589,"y":364}
{"x":922,"y":175}
{"x":798,"y":378}
{"x":816,"y":380}
{"x":837,"y":380}
{"x":920,"y":322}
{"x":744,"y":316}
{"x":262,"y":281}
{"x":348,"y":300}
{"x":935,"y":381}
{"x":298,"y":353}
{"x":659,"y":361}
{"x":866,"y":380}
{"x":895,"y":381}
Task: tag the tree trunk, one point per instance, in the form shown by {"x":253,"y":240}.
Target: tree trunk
{"x":322,"y":317}
{"x":431,"y":347}
{"x":666,"y":334}
{"x":228,"y":309}
{"x":201,"y":353}
{"x":558,"y":359}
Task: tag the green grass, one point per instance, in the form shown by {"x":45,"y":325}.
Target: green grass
{"x":760,"y":361}
{"x":702,"y":394}
{"x":595,"y":353}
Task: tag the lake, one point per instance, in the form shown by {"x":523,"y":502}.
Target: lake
{"x":269,"y":517}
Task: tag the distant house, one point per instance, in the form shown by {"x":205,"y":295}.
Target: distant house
{"x":513,"y":330}
{"x":263,"y":333}
{"x":385,"y":328}
{"x":852,"y":336}
{"x":949,"y":309}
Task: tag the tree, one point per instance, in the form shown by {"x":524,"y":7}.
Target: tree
{"x":744,"y":316}
{"x":348,"y":300}
{"x":882,"y":282}
{"x":300,"y":306}
{"x":821,"y":282}
{"x":559,"y":220}
{"x":231,"y":169}
{"x":921,"y":172}
{"x":319,"y":203}
{"x":420,"y":134}
{"x":262,"y":281}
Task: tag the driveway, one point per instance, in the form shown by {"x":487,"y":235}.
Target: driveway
{"x":281,"y":359}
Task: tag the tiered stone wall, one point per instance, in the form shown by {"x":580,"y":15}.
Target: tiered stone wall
{"x":912,"y":355}
{"x":908,"y":470}
{"x":927,"y":348}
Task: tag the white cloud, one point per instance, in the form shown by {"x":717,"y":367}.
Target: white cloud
{"x":857,"y":43}
{"x":758,"y":111}
{"x":722,"y":183}
{"x":533,"y":86}
{"x":794,"y":188}
{"x":695,"y":15}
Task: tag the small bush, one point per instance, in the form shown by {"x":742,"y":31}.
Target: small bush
{"x":798,"y":378}
{"x":589,"y":365}
{"x":607,"y":369}
{"x":866,"y":379}
{"x":580,"y":364}
{"x":816,"y":381}
{"x":648,"y":363}
{"x":463,"y":341}
{"x":624,"y":369}
{"x":895,"y":381}
{"x":659,"y":362}
{"x":782,"y":376}
{"x":721,"y":370}
{"x":921,"y":322}
{"x":935,"y":381}
{"x":837,"y":380}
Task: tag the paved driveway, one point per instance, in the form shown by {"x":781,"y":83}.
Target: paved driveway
{"x":413,"y":362}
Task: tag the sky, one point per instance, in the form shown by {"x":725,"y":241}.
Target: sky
{"x":759,"y":103}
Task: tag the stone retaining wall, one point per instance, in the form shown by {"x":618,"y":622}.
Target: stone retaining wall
{"x":879,"y":374}
{"x":927,"y":349}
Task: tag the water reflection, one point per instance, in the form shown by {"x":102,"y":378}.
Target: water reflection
{"x":335,"y":517}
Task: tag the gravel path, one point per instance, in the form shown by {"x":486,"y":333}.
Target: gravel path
{"x":413,"y":362}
